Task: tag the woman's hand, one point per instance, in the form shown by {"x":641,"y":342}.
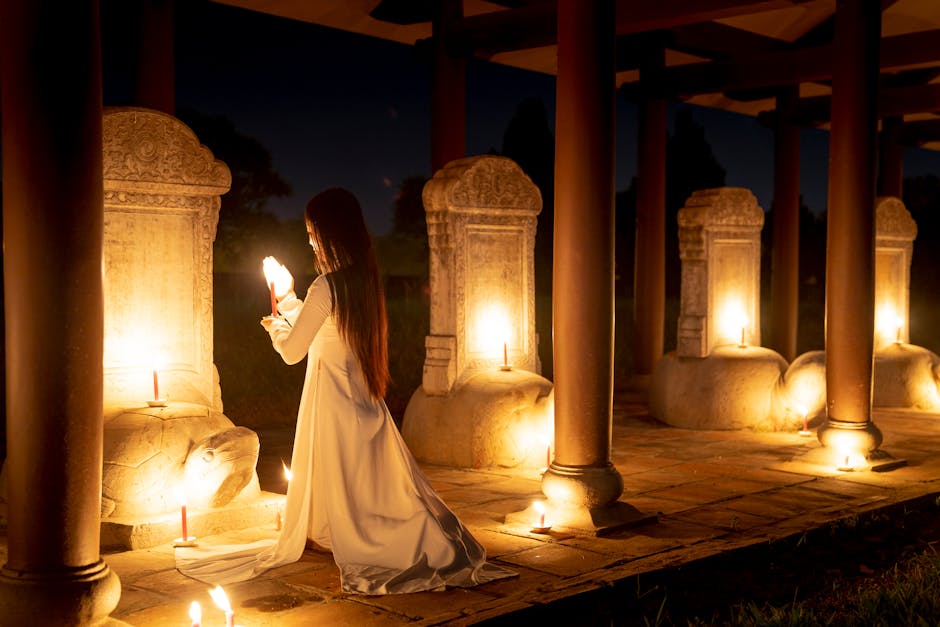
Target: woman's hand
{"x":271,"y":323}
{"x":275,"y":272}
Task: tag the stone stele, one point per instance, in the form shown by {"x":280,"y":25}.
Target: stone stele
{"x":161,"y":207}
{"x":482,"y":402}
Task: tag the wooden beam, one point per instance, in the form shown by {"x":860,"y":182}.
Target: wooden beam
{"x":790,"y":67}
{"x":536,"y":24}
{"x":892,"y":102}
{"x":919,"y":132}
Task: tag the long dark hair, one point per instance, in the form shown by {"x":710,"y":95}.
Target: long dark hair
{"x":345,"y":249}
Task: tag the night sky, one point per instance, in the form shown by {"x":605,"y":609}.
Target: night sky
{"x":335,"y":108}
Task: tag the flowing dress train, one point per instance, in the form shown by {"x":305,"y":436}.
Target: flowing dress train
{"x":355,"y":489}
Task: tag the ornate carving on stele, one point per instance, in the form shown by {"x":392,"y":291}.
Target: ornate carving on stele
{"x":161,"y":209}
{"x":481,"y":214}
{"x":893,"y":220}
{"x":143,"y":146}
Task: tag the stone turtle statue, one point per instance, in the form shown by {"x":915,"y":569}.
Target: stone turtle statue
{"x":153,"y":456}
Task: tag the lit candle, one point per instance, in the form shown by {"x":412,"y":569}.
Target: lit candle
{"x":803,"y":412}
{"x":221,"y":600}
{"x":182,"y":499}
{"x":279,"y":518}
{"x":505,"y":355}
{"x":273,"y":299}
{"x":898,"y":323}
{"x":548,"y":455}
{"x":195,"y":613}
{"x":156,"y":385}
{"x":540,"y":526}
{"x":743,"y":329}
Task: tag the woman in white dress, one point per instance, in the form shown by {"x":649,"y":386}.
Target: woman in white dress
{"x":355,"y":487}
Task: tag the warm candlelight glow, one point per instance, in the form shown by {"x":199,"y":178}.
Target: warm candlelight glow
{"x":848,"y":461}
{"x":221,"y":600}
{"x":733,"y":324}
{"x":195,"y":614}
{"x":801,"y":409}
{"x":278,"y":279}
{"x":539,"y":524}
{"x":492,"y":333}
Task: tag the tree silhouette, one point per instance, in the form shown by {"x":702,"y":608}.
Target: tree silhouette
{"x":922,"y":199}
{"x":690,"y":166}
{"x":528,"y":141}
{"x":408,"y":212}
{"x":247,"y":231}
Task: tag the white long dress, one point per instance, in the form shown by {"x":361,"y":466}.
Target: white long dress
{"x":356,"y":488}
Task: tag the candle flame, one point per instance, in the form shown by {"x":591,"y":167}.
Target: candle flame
{"x":802,"y":410}
{"x":270,"y":266}
{"x":195,"y":612}
{"x":180,"y":496}
{"x":539,"y":507}
{"x":221,"y":599}
{"x":287,"y":473}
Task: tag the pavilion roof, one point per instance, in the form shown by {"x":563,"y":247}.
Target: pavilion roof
{"x":733,"y":55}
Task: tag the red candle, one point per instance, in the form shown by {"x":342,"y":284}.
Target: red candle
{"x":273,"y":299}
{"x":183,"y":520}
{"x":230,"y":619}
{"x":156,"y":385}
{"x":548,"y":455}
{"x":505,"y":355}
{"x":542,"y":519}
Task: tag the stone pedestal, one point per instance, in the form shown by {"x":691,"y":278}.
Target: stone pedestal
{"x":481,"y":402}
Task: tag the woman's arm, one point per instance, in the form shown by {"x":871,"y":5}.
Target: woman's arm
{"x":293,"y":342}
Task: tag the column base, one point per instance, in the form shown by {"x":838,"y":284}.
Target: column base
{"x":848,"y":438}
{"x":584,"y":500}
{"x":71,"y":596}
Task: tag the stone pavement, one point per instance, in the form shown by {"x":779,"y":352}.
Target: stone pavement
{"x":712,"y":492}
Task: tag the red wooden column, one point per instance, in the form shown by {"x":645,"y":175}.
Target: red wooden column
{"x":53,"y":230}
{"x":850,"y":253}
{"x":155,"y":79}
{"x":649,"y":279}
{"x":785,"y":261}
{"x":891,"y":170}
{"x":448,"y":89}
{"x":581,"y":475}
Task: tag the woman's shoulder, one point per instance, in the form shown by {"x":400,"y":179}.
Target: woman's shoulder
{"x":320,"y":287}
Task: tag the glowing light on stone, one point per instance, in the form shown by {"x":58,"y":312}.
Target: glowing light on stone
{"x":492,"y":333}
